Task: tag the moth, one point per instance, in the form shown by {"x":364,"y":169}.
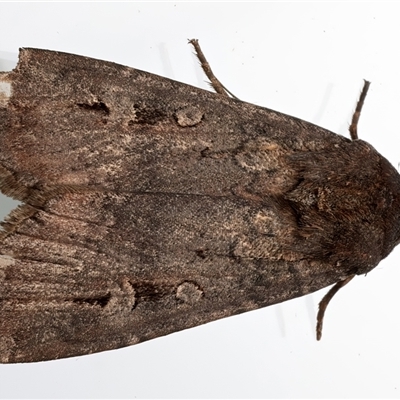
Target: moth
{"x":150,"y":206}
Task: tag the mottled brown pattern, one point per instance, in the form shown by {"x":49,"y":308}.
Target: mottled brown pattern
{"x":151,"y":206}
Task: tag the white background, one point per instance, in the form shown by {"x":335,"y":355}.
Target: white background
{"x":304,"y":59}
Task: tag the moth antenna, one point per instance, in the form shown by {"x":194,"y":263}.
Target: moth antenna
{"x":214,"y":81}
{"x":357,"y":112}
{"x":325,"y":301}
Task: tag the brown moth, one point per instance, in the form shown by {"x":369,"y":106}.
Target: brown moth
{"x":151,"y":206}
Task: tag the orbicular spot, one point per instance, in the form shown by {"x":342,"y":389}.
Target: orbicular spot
{"x":189,"y":292}
{"x":188,"y":116}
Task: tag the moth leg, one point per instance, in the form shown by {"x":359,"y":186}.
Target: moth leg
{"x":325,"y":301}
{"x":215,"y":83}
{"x":357,"y":112}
